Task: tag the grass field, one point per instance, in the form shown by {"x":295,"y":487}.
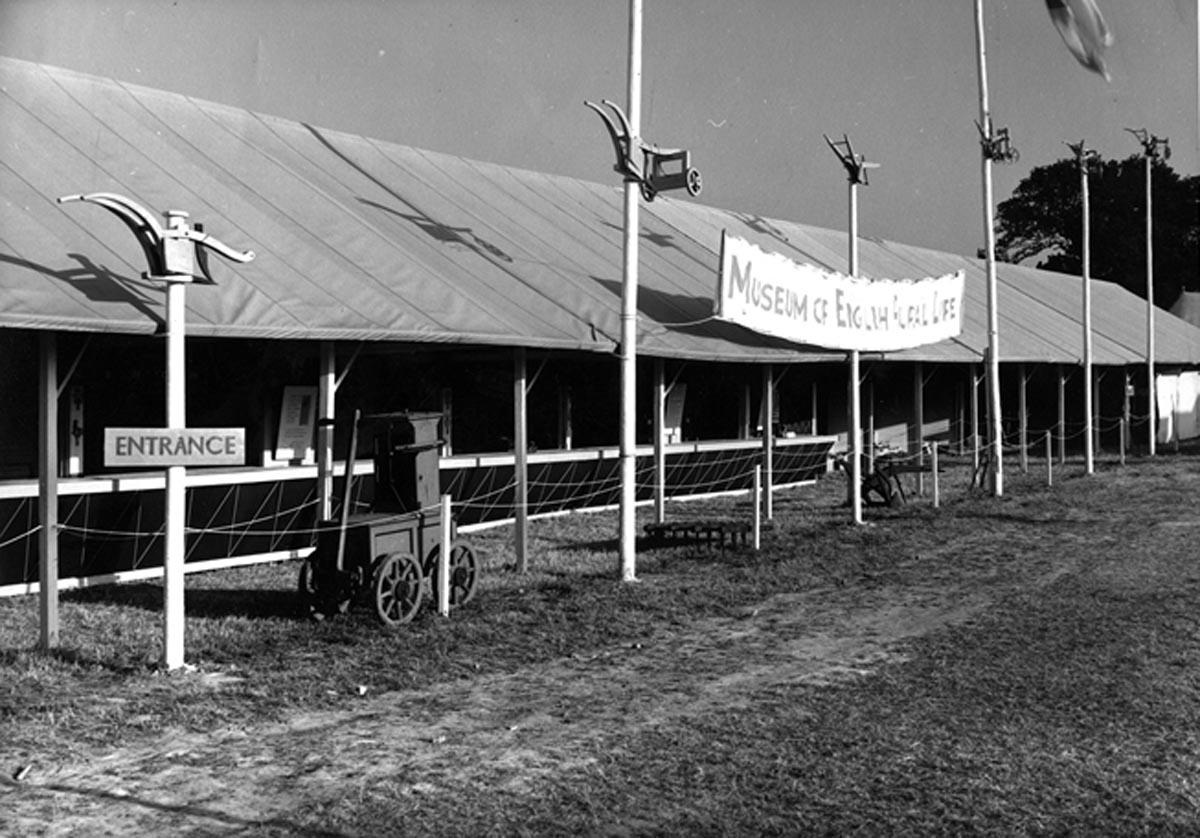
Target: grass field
{"x":1028,"y":665}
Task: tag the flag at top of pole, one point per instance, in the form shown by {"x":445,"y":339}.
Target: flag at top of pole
{"x":1084,"y":32}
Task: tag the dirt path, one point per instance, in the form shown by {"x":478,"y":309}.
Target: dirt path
{"x":500,"y":731}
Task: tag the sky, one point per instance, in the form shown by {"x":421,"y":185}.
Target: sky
{"x":749,"y":87}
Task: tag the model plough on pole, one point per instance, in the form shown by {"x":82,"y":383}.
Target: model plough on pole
{"x":171,"y":251}
{"x":661,"y":169}
{"x":175,"y":255}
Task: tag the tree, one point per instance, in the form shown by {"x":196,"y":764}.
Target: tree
{"x":1042,"y":221}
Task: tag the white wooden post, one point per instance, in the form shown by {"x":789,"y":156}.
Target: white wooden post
{"x":443,"y":591}
{"x":813,"y":423}
{"x":629,"y":294}
{"x":660,"y":441}
{"x":1127,"y":409}
{"x":326,"y":403}
{"x":768,"y":433}
{"x":1088,"y":398}
{"x":855,"y":432}
{"x":919,"y":422}
{"x":757,"y":506}
{"x":173,"y":579}
{"x":974,"y":420}
{"x":1152,"y":401}
{"x":48,"y":491}
{"x":937,"y":498}
{"x":520,"y":461}
{"x":566,"y":432}
{"x":1049,"y":461}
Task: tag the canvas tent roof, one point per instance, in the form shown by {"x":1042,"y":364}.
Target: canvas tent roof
{"x":359,"y":239}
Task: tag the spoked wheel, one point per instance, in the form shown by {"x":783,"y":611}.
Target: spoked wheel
{"x":464,"y":573}
{"x":397,"y":588}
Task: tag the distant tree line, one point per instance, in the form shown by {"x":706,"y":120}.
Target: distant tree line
{"x":1042,"y":221}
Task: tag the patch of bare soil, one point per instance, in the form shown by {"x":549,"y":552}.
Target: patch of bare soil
{"x":500,"y":732}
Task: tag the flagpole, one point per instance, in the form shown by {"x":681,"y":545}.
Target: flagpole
{"x":628,"y":430}
{"x":1152,"y":399}
{"x":1088,"y":395}
{"x":1152,"y":148}
{"x":856,"y":170}
{"x":996,"y":470}
{"x":1084,"y":155}
{"x":855,"y":377}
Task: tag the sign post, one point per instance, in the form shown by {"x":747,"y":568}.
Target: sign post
{"x":175,"y":261}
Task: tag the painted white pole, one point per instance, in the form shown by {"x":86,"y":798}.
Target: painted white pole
{"x":974,"y":419}
{"x":1049,"y":461}
{"x":919,"y":422}
{"x":757,"y":506}
{"x":1062,"y":416}
{"x":660,"y":441}
{"x":768,"y":440}
{"x":326,"y":401}
{"x":1151,"y":403}
{"x":443,"y":591}
{"x":1127,"y":411}
{"x":48,"y":492}
{"x":989,"y":234}
{"x":855,"y":381}
{"x":176,"y":496}
{"x":628,"y":447}
{"x":520,"y":461}
{"x":1089,"y":454}
{"x":937,"y":496}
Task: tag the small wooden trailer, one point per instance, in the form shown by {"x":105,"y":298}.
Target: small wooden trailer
{"x":389,"y":557}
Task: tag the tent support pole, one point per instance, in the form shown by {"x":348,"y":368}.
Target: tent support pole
{"x":660,"y":441}
{"x":919,"y":421}
{"x":48,"y":491}
{"x":768,"y":438}
{"x":326,"y":401}
{"x":520,"y":460}
{"x":629,"y":295}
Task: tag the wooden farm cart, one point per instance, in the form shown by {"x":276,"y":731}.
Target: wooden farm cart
{"x":388,"y":557}
{"x":881,"y":484}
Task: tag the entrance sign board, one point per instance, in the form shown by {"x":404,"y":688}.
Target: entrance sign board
{"x":144,"y":447}
{"x":774,"y":295}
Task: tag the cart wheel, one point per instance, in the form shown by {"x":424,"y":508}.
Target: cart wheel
{"x":397,"y":588}
{"x":464,"y":573}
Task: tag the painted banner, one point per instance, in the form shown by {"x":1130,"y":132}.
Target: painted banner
{"x":773,"y":295}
